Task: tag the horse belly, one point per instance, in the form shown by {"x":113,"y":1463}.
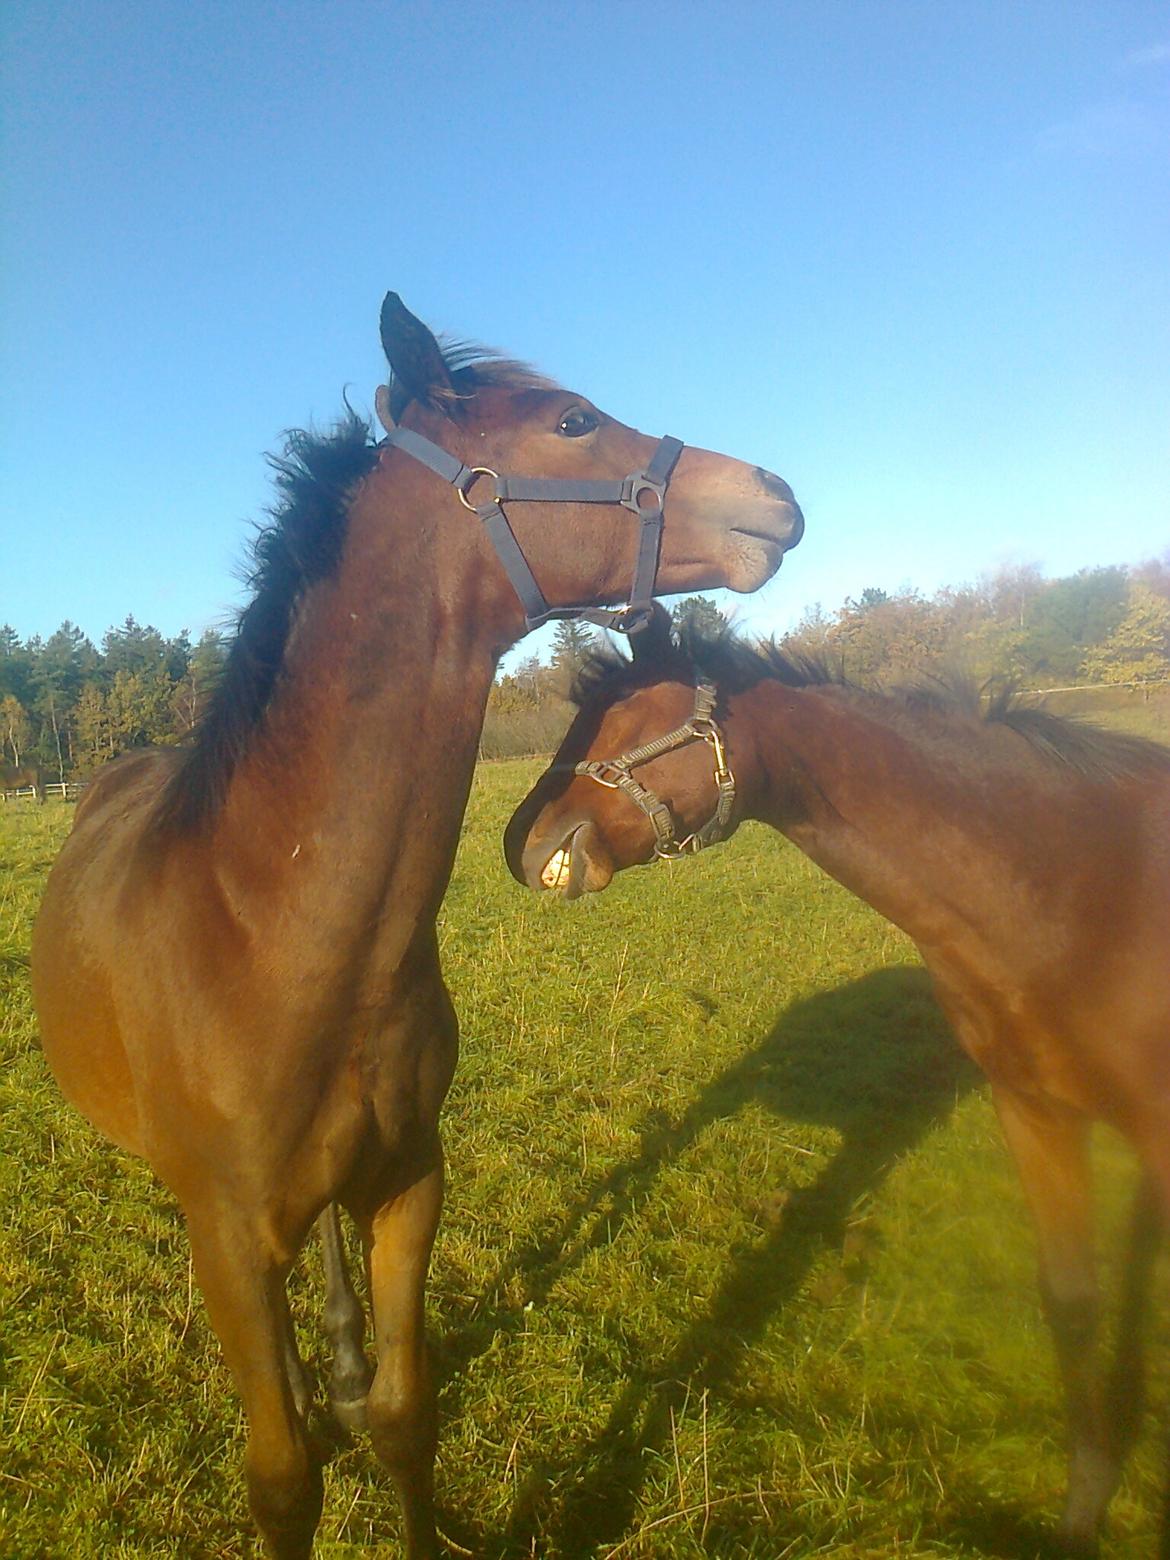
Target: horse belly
{"x":83,"y":954}
{"x":77,"y":1017}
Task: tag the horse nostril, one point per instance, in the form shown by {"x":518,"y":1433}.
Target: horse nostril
{"x":774,"y":485}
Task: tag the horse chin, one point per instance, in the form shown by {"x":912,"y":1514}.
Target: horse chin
{"x":757,"y":538}
{"x":752,"y":560}
{"x":581,"y":865}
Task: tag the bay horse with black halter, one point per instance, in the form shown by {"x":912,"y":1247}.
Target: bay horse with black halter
{"x":1027,"y":856}
{"x":235,"y":964}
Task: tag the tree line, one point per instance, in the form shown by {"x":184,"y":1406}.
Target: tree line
{"x":1106,"y":625}
{"x":67,"y":707}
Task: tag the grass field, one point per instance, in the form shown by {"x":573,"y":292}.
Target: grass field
{"x":733,"y":1262}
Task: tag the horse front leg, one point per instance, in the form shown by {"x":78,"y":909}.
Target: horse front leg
{"x":1150,"y":1222}
{"x":243,"y":1287}
{"x":1125,"y":1398}
{"x":400,"y":1411}
{"x":399,"y":1219}
{"x":345,"y":1324}
{"x":1050,"y":1147}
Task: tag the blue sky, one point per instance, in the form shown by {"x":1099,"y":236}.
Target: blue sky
{"x":911,"y":256}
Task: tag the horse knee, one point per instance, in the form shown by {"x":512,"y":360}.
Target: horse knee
{"x":402,"y":1422}
{"x":285,"y":1493}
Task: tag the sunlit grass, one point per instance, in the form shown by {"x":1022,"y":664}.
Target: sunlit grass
{"x":733,"y":1262}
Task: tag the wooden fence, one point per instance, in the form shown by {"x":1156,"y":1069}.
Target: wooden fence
{"x":68,"y":790}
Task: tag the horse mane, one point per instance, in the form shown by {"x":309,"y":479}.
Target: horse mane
{"x":735,"y":664}
{"x":299,"y":544}
{"x":723,"y":658}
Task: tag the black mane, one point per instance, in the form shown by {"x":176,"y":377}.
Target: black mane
{"x":300,"y":544}
{"x":735,"y":664}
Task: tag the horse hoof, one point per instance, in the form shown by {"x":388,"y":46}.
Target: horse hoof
{"x":350,"y":1413}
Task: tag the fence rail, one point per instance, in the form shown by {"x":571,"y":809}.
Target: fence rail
{"x":1146,"y":688}
{"x":68,"y":790}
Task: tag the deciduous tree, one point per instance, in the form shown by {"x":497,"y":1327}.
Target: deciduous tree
{"x":1138,"y":650}
{"x":15,"y":727}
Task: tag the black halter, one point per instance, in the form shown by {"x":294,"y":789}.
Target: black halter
{"x":642,"y":492}
{"x":615,"y":774}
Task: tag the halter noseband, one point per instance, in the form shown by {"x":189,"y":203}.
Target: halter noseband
{"x":615,"y":774}
{"x":642,"y":492}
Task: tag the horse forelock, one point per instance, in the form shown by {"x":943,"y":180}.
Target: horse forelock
{"x":472,"y":367}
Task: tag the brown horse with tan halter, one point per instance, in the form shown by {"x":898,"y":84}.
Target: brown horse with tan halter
{"x":235,"y":965}
{"x":1027,"y":856}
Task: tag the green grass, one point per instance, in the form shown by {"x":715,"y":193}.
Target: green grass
{"x":733,"y":1262}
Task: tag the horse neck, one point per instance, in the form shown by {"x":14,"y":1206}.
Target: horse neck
{"x":890,"y":808}
{"x":355,"y":785}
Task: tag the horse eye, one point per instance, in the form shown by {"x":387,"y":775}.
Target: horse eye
{"x":578,"y":421}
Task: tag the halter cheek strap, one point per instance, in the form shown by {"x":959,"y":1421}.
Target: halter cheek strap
{"x":642,"y":492}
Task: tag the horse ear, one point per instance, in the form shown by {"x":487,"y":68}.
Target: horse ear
{"x":413,"y":353}
{"x":653,"y":641}
{"x":382,"y":407}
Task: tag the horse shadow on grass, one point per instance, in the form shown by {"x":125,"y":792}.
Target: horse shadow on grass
{"x":875,"y":1061}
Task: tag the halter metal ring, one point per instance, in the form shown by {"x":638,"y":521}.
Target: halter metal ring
{"x":632,"y":490}
{"x":473,"y":472}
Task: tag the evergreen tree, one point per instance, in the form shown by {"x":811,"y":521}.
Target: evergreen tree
{"x":67,"y":659}
{"x":63,"y":665}
{"x":16,"y":666}
{"x":132,"y":648}
{"x":573,"y":643}
{"x":697,"y":614}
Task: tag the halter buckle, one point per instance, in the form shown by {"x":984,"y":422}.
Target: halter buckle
{"x":599,"y":768}
{"x":671,"y":850}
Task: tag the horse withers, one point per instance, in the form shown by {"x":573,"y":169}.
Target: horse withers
{"x":1027,"y":856}
{"x":235,"y":964}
